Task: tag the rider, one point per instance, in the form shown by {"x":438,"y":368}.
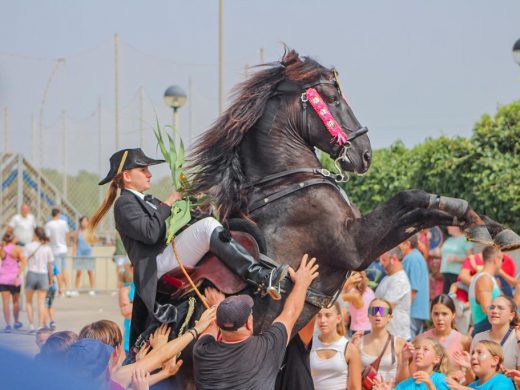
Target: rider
{"x":141,"y":223}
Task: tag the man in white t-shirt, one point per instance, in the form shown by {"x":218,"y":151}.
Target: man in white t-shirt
{"x":58,"y":232}
{"x":395,"y":288}
{"x":22,"y":226}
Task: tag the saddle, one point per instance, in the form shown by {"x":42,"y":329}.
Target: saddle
{"x":175,"y":285}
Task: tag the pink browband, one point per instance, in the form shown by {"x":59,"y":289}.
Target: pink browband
{"x":325,"y":115}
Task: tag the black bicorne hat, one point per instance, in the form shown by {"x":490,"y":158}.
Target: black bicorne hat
{"x":127,"y":159}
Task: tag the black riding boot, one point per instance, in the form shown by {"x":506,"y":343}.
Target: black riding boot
{"x":238,"y":259}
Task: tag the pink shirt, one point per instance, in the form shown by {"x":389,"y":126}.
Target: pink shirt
{"x":451,"y":344}
{"x":359,"y":317}
{"x":9,"y":268}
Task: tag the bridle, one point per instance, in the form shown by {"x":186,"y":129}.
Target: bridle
{"x":341,"y":142}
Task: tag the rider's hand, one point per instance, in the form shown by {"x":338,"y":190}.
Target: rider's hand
{"x":205,"y":319}
{"x":173,"y":197}
{"x":306,"y":273}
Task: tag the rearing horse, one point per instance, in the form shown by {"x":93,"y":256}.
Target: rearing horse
{"x":258,"y":161}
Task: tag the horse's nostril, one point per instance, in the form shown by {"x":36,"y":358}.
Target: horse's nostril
{"x":367,"y":157}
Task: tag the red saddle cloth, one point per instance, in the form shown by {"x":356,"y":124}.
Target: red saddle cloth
{"x":210,"y":268}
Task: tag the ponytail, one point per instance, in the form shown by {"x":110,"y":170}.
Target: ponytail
{"x":109,"y":200}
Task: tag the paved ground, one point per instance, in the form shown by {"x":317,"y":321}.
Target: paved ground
{"x":71,"y":314}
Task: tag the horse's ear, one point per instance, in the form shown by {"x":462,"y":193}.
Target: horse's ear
{"x":290,"y":57}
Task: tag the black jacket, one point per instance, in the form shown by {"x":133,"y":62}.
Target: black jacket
{"x":143,"y":232}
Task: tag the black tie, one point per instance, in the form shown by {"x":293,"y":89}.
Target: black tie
{"x":148,"y":198}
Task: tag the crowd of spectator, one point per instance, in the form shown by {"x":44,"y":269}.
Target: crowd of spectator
{"x":390,"y":328}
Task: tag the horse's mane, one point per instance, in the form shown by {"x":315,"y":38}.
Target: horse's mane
{"x":215,"y":160}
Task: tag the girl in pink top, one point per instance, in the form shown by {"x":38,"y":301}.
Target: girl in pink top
{"x":443,"y":314}
{"x":11,"y":268}
{"x":358,"y":295}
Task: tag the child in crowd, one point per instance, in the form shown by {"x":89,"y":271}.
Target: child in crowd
{"x":163,"y":353}
{"x":485,"y":363}
{"x":431,"y":365}
{"x":51,"y":294}
{"x":334,"y":361}
{"x":41,"y":337}
{"x":126,"y":299}
{"x":56,"y":347}
{"x":358,"y":295}
{"x":443,"y":314}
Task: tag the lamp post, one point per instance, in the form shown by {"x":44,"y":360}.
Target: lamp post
{"x":175,"y":97}
{"x":516,"y":51}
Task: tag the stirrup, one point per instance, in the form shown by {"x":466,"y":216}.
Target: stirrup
{"x":272,"y":291}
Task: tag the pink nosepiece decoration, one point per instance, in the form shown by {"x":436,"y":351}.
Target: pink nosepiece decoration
{"x":325,"y":115}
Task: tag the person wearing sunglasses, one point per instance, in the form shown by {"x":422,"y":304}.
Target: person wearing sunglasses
{"x":485,"y":363}
{"x":379,"y":342}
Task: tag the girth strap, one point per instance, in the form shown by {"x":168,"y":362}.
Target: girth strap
{"x":257,"y":204}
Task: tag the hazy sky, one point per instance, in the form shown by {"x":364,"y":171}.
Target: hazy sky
{"x":411,"y":69}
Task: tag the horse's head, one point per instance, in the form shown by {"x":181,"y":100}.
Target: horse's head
{"x":321,"y":113}
{"x":291,"y":105}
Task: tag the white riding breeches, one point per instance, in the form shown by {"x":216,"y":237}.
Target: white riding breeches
{"x":192,"y":244}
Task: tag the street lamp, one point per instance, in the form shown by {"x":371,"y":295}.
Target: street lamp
{"x":175,"y":97}
{"x":516,"y":51}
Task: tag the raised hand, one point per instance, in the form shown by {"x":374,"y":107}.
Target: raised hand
{"x":140,"y":379}
{"x":213,"y":296}
{"x":356,"y":338}
{"x":422,"y":377}
{"x":205,"y":319}
{"x":172,"y":366}
{"x":407,"y":352}
{"x":160,"y":336}
{"x":462,"y":358}
{"x":306,"y":273}
{"x":142,"y":352}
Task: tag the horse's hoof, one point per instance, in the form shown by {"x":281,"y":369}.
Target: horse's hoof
{"x":507,"y":240}
{"x":479,"y":234}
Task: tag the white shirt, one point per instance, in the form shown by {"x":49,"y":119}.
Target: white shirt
{"x":141,"y":196}
{"x":57,"y":231}
{"x":23,"y":227}
{"x":41,"y":255}
{"x":396,"y":290}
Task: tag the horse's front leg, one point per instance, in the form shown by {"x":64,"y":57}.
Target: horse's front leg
{"x":406,"y":213}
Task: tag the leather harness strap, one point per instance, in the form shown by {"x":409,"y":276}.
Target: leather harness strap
{"x":257,"y":204}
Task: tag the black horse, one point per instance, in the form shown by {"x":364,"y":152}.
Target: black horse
{"x":258,"y":162}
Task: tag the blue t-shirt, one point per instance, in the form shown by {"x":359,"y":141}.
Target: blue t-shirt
{"x":499,"y":381}
{"x":417,"y":271}
{"x":438,"y":379}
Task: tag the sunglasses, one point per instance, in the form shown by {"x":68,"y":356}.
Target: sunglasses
{"x":497,"y":307}
{"x":383,"y":311}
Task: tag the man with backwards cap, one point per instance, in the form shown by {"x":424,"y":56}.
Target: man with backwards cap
{"x":241,"y":360}
{"x":141,"y":222}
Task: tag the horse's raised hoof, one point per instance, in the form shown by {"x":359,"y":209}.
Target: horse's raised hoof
{"x":479,"y":234}
{"x":507,"y":240}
